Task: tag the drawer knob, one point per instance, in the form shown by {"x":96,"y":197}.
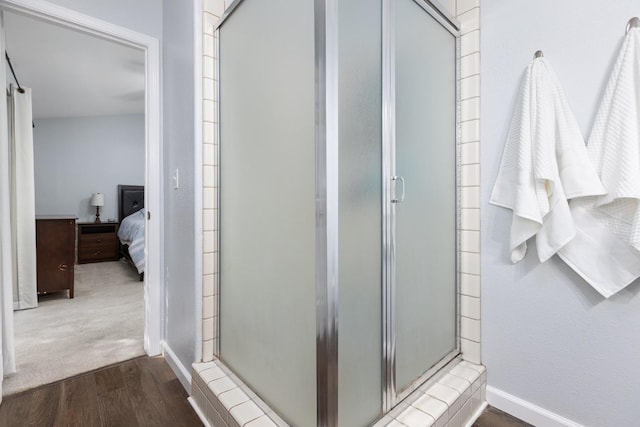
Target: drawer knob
{"x":97,"y":253}
{"x":98,"y":240}
{"x":62,"y":267}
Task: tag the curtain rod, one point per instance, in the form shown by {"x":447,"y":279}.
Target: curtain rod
{"x":6,"y":55}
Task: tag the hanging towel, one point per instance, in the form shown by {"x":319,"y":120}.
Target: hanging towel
{"x":544,"y":164}
{"x":606,"y":251}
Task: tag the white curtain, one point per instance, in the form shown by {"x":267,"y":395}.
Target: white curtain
{"x":8,"y":365}
{"x":23,"y":214}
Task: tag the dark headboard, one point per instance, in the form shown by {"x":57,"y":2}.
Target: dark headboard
{"x":130,"y":200}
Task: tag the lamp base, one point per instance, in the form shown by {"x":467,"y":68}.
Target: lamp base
{"x":97,"y":215}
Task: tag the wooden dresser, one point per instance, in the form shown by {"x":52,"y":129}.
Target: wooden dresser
{"x":55,"y":253}
{"x":97,"y":242}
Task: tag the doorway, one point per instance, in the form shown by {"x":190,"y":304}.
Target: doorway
{"x":149,"y":48}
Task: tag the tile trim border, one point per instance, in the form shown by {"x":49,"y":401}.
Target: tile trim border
{"x":455,"y":399}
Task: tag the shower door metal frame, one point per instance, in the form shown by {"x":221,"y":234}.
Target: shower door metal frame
{"x":326,"y":140}
{"x":390,"y":395}
{"x":326,"y":188}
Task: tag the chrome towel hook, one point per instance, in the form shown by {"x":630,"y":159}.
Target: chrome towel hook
{"x":538,"y":54}
{"x":633,"y":23}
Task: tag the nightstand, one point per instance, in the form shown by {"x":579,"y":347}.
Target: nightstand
{"x":97,"y":242}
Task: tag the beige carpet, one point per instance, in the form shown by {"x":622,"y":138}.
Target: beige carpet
{"x":62,"y":337}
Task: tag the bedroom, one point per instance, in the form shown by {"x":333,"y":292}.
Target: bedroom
{"x":88,"y":138}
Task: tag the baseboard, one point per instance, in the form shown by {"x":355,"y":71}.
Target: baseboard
{"x":198,"y":411}
{"x":183,"y":374}
{"x":526,"y":411}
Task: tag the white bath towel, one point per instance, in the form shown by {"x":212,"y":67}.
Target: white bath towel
{"x":544,"y":164}
{"x":606,"y":251}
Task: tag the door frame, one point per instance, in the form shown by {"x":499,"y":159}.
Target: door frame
{"x":154,"y":283}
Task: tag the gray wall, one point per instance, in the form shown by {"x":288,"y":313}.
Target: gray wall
{"x":144,"y":16}
{"x":179,"y":146}
{"x":76,"y":157}
{"x":548,"y":337}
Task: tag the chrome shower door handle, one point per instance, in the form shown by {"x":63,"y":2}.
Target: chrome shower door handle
{"x":401,"y":198}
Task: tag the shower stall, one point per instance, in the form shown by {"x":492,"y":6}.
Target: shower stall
{"x":338,"y":209}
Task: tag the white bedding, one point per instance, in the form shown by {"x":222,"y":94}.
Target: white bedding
{"x":131,"y":232}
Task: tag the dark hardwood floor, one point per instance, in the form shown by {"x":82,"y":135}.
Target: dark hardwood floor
{"x":492,"y":417}
{"x":138,"y":392}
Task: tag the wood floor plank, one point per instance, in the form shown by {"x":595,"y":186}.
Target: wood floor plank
{"x":109,"y":379}
{"x":140,"y":392}
{"x":184,"y":415}
{"x":114,"y":404}
{"x":145,"y":397}
{"x":115,"y":409}
{"x":493,"y":417}
{"x":176,"y":407}
{"x":15,"y":408}
{"x":161,"y":370}
{"x":45,"y":405}
{"x":80,"y":402}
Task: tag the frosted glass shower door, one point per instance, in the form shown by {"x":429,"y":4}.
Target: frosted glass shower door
{"x":267,"y":203}
{"x":360,"y":103}
{"x":425,"y":221}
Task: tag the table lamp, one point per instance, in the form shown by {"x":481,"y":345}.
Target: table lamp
{"x":97,"y":200}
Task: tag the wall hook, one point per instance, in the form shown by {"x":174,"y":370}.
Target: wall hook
{"x":633,"y":23}
{"x":538,"y":54}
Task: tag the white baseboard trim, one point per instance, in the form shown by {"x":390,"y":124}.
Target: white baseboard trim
{"x":198,"y":411}
{"x":476,"y":414}
{"x":526,"y":411}
{"x":183,"y":374}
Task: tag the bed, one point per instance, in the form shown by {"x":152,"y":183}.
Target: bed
{"x":131,"y":216}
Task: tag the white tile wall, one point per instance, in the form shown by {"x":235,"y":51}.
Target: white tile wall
{"x":470,"y":108}
{"x":470,"y":263}
{"x":470,"y":197}
{"x":470,"y":285}
{"x":469,"y":175}
{"x":454,"y":398}
{"x":470,"y":328}
{"x":212,"y":10}
{"x":470,"y":65}
{"x":469,"y":20}
{"x":471,"y":350}
{"x":469,"y":219}
{"x":468,"y":14}
{"x":470,"y":307}
{"x":463,"y":6}
{"x":470,"y":130}
{"x":470,"y":43}
{"x":470,"y":153}
{"x":470,"y":241}
{"x":470,"y":87}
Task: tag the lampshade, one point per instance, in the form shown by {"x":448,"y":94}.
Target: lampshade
{"x":97,"y":199}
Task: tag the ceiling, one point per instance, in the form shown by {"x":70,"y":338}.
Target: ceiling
{"x":71,"y":73}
